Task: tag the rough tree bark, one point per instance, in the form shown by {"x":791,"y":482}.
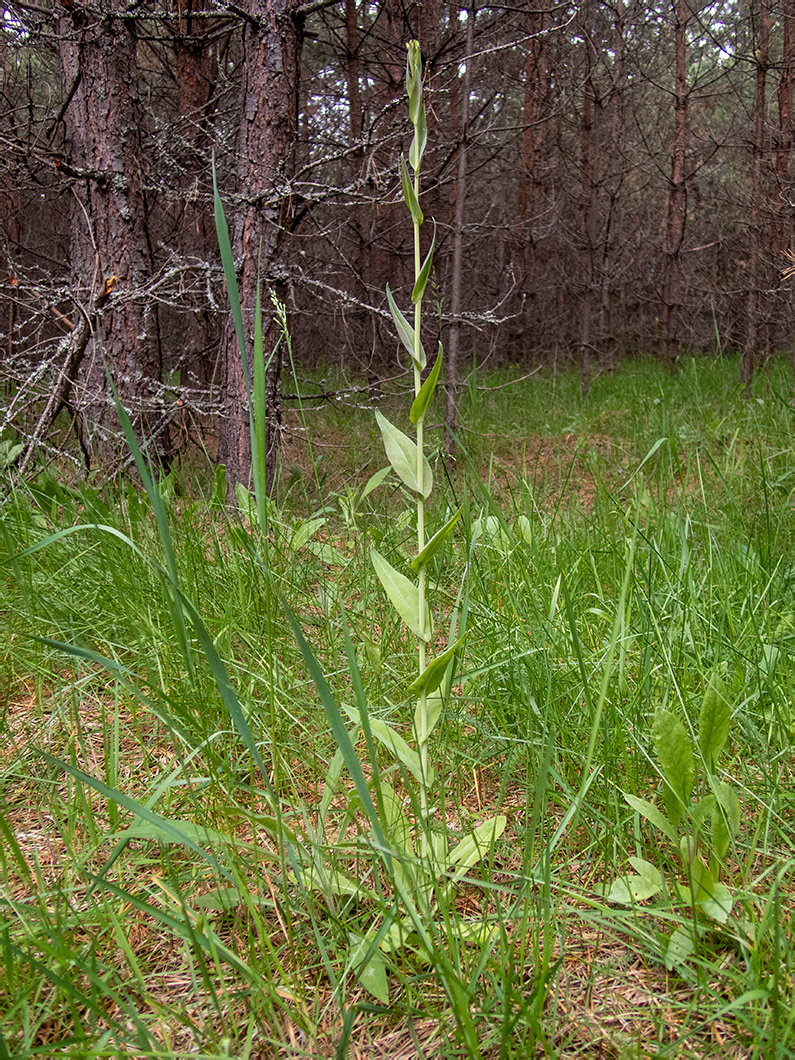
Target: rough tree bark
{"x":109,"y":225}
{"x":266,"y":133}
{"x":614,"y":182}
{"x":677,"y":193}
{"x":535,"y":126}
{"x":196,"y":74}
{"x":782,"y":231}
{"x":587,"y":201}
{"x":755,"y":264}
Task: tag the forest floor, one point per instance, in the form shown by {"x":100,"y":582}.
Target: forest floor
{"x":188,"y":864}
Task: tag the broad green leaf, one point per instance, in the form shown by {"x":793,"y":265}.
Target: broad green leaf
{"x":627,"y":890}
{"x":425,"y":271}
{"x":435,"y":542}
{"x":220,"y":899}
{"x":679,"y":949}
{"x":719,"y":904}
{"x":396,"y":936}
{"x":433,"y":674}
{"x":403,"y":594}
{"x":427,"y":714}
{"x":525,"y":529}
{"x":714,"y":721}
{"x":141,"y":812}
{"x":405,"y":331}
{"x":726,"y":818}
{"x":497,"y":535}
{"x":172,"y":831}
{"x":646,"y":870}
{"x":712,"y":898}
{"x":421,"y":402}
{"x":703,"y":809}
{"x":398,"y":826}
{"x":375,"y":481}
{"x":654,"y":815}
{"x":409,"y":195}
{"x":326,"y":553}
{"x":372,"y":654}
{"x":307,"y":529}
{"x":368,"y":962}
{"x":475,"y":846}
{"x":331,"y":881}
{"x":402,"y":455}
{"x":675,"y":753}
{"x":417,"y":149}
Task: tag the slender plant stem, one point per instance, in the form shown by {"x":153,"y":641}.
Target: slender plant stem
{"x":420,"y":517}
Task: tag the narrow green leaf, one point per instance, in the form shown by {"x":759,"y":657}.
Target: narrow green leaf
{"x":410,"y":195}
{"x":392,"y":740}
{"x":159,"y":510}
{"x":336,"y":723}
{"x":305,"y":531}
{"x":374,"y":481}
{"x":405,"y":331}
{"x":414,"y":79}
{"x":257,"y":417}
{"x":402,"y":455}
{"x":155,"y":821}
{"x":675,"y":753}
{"x":425,"y":271}
{"x":230,"y":276}
{"x":433,"y":674}
{"x":476,"y":845}
{"x":654,"y":815}
{"x":714,"y":721}
{"x":398,"y":746}
{"x":435,"y":542}
{"x":421,"y":402}
{"x":403,"y":594}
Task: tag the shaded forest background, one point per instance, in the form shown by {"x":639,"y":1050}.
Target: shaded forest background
{"x":606,"y":178}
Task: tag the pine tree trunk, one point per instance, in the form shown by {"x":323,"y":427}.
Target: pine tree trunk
{"x":109,"y":230}
{"x":755,"y":266}
{"x":677,"y":195}
{"x":266,"y":135}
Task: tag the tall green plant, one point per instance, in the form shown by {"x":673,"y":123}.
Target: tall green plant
{"x":408,"y":459}
{"x":414,"y":849}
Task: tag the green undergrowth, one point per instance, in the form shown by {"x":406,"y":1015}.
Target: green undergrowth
{"x":187,"y":867}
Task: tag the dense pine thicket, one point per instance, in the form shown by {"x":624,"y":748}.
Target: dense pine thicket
{"x":617,"y":177}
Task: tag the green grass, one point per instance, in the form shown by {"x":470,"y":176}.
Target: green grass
{"x":162,"y":896}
